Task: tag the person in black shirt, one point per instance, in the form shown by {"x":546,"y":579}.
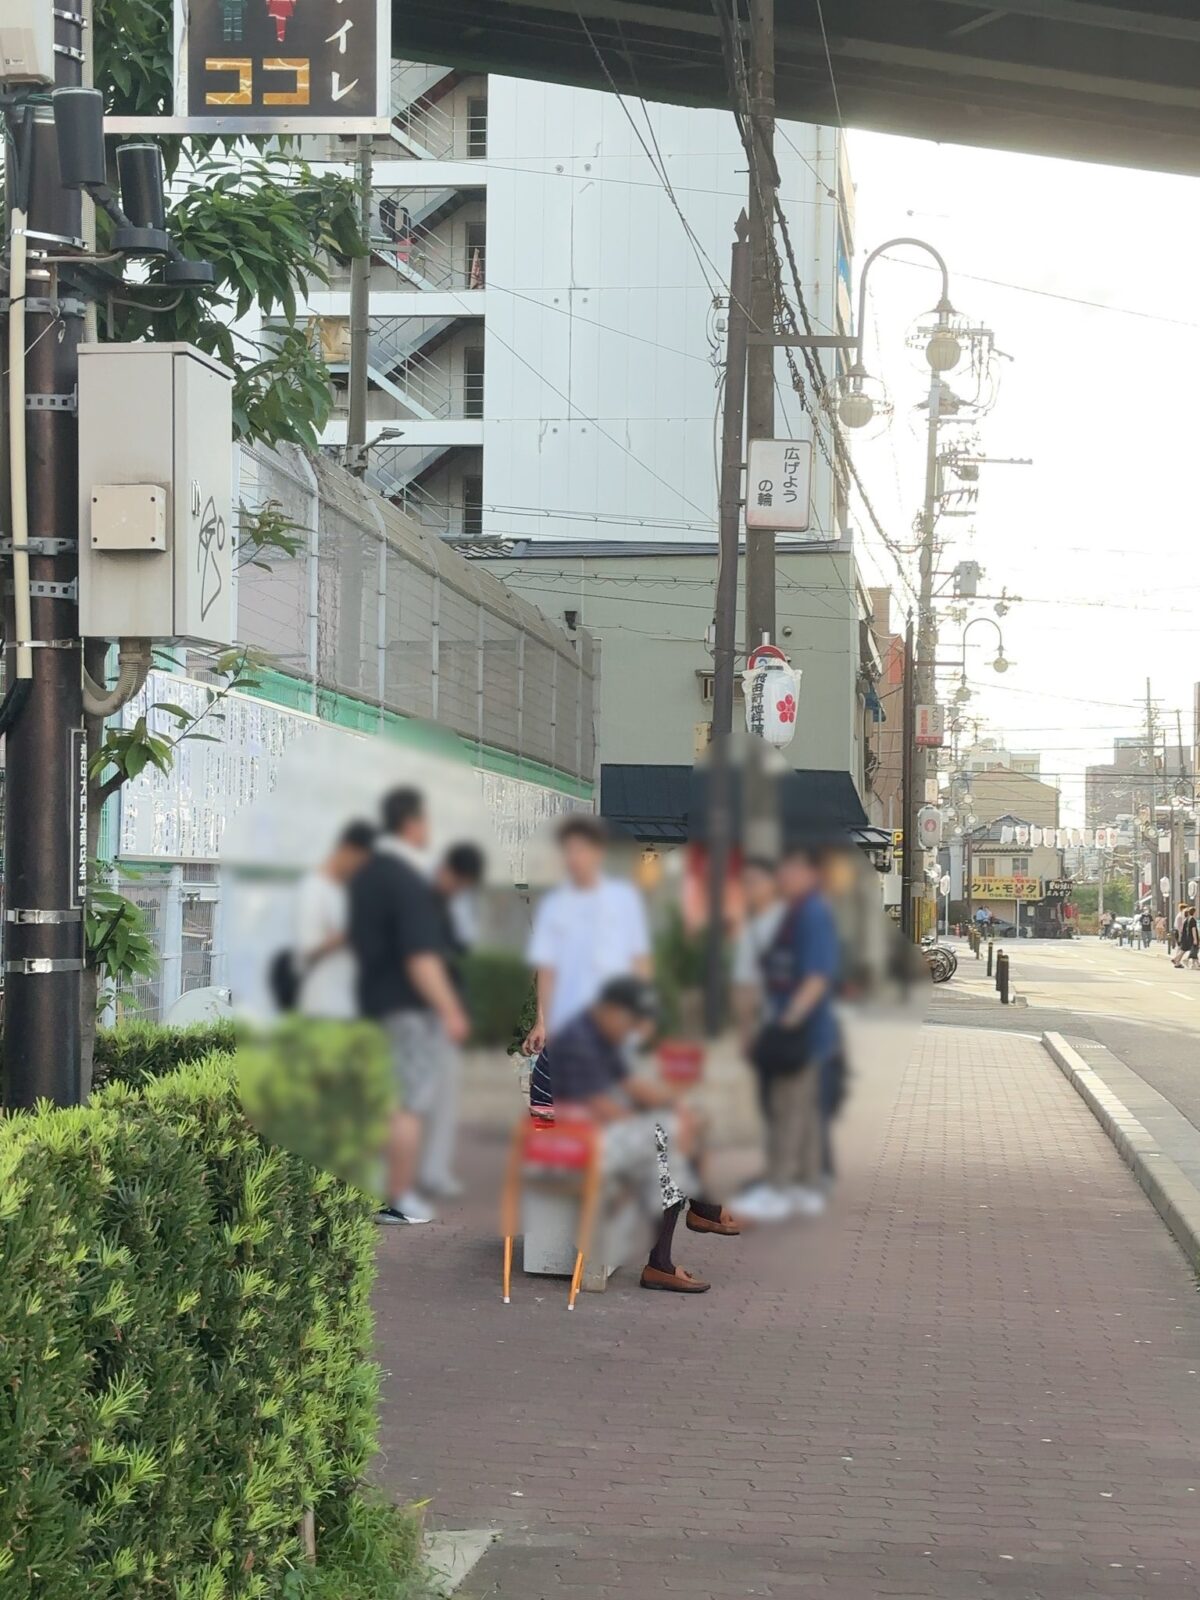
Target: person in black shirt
{"x":397,"y":932}
{"x":647,"y":1134}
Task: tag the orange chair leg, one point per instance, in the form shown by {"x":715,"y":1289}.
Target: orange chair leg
{"x":509,"y":1206}
{"x":587,"y":1218}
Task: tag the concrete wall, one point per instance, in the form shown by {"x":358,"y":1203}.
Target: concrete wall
{"x":651,"y":614}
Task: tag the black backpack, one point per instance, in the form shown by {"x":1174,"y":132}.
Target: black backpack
{"x":284,"y":978}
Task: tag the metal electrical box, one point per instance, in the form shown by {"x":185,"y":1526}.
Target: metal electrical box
{"x":155,"y":494}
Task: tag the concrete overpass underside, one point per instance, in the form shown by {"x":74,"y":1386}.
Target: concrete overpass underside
{"x":1084,"y":79}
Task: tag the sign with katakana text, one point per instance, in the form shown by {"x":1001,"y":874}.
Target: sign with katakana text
{"x":779,"y":486}
{"x":284,"y":66}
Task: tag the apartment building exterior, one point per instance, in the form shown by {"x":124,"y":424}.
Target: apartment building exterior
{"x":545,"y":330}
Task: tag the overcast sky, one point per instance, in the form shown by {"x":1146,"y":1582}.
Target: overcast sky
{"x":1100,"y":535}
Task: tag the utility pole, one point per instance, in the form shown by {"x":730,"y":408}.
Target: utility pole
{"x":909,"y":810}
{"x":925,"y":687}
{"x":720,"y":803}
{"x":45,"y":760}
{"x":360,"y":318}
{"x":760,"y":813}
{"x":1151,"y":741}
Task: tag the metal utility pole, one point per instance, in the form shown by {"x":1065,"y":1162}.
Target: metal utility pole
{"x":720,"y":803}
{"x":1151,"y":740}
{"x":761,"y":822}
{"x":925,"y":686}
{"x":906,"y":784}
{"x":360,"y":319}
{"x":45,"y":848}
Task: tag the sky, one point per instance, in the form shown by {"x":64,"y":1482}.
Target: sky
{"x":1087,"y":277}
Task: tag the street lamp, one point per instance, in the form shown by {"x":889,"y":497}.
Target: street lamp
{"x":849,"y":396}
{"x":1001,"y":663}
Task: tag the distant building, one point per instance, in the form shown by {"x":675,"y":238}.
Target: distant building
{"x":1000,"y":791}
{"x":1133,"y":777}
{"x":988,"y":756}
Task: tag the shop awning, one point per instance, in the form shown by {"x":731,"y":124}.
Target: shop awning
{"x":657,"y":803}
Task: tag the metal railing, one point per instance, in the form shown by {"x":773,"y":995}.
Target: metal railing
{"x":425,"y":127}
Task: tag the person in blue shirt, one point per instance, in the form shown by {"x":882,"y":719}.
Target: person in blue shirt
{"x":801,"y":1036}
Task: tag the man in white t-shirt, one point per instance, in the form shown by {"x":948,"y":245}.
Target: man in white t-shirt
{"x":328,"y":972}
{"x":588,"y":930}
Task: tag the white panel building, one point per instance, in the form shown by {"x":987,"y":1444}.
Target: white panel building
{"x":545,"y":328}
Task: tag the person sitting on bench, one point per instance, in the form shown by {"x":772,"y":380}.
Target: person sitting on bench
{"x":648,"y":1135}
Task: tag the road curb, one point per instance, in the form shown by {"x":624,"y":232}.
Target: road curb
{"x":1171,"y":1192}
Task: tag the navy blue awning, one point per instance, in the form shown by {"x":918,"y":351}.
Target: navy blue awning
{"x":657,"y":803}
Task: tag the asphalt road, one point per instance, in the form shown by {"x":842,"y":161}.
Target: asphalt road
{"x":1132,"y":1001}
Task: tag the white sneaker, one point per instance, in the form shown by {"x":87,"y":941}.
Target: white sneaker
{"x":804,"y":1202}
{"x":445,"y":1189}
{"x":764,"y":1205}
{"x":406,"y":1208}
{"x":753,"y":1192}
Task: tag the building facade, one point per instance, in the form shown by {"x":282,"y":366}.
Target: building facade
{"x":1135,"y":778}
{"x":546,"y":333}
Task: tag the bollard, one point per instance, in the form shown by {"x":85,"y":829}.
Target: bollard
{"x":990,"y":949}
{"x":1002,"y":977}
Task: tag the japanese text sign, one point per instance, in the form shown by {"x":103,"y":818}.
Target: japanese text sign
{"x":284,"y":66}
{"x":779,"y":485}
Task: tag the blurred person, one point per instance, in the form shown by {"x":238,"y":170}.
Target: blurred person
{"x":588,"y":930}
{"x":648,"y":1135}
{"x":764,"y":912}
{"x":398,"y":934}
{"x":456,"y":881}
{"x":1180,"y":919}
{"x":1145,"y":928}
{"x":1160,"y":929}
{"x":801,"y":1036}
{"x":327,"y":970}
{"x":1189,"y":939}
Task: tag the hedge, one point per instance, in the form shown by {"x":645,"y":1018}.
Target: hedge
{"x":185,"y":1348}
{"x":134,"y":1051}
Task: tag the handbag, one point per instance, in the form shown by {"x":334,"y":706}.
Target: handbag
{"x":779,"y":1052}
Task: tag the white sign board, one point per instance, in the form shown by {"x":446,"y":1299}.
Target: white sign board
{"x":931,"y":727}
{"x":779,"y":485}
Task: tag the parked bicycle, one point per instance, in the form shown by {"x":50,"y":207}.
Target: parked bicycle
{"x":940,"y":958}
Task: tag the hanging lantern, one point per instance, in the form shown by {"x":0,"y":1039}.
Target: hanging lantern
{"x":771,"y":688}
{"x":649,"y":869}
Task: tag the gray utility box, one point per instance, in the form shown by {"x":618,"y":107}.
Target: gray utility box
{"x":155,"y":493}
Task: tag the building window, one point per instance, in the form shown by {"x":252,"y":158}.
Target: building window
{"x":1020,"y":866}
{"x":473,"y":381}
{"x":985,"y":867}
{"x":472,"y":516}
{"x":477,"y":126}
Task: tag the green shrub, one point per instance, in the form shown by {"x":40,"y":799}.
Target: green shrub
{"x":499,"y":994}
{"x":134,"y":1051}
{"x":184,"y":1342}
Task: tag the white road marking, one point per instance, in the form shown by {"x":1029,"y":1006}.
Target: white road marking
{"x":1182,"y":995}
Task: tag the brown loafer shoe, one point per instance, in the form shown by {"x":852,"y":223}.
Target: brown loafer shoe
{"x":725,"y":1225}
{"x":677,"y":1282}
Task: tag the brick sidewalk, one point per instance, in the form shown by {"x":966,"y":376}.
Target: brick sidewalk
{"x":980,"y":1376}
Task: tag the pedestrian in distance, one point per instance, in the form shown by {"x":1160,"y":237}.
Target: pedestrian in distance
{"x":1189,"y":940}
{"x":1160,"y":929}
{"x":1145,"y":928}
{"x":1180,"y":916}
{"x":325,"y":968}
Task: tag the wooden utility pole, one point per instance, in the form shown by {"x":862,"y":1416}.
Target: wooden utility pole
{"x":761,"y":818}
{"x":720,"y":797}
{"x":906,"y":783}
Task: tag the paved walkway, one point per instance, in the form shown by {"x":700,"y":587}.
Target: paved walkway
{"x":980,"y":1376}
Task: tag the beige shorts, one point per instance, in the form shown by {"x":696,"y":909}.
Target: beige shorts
{"x":420,"y":1058}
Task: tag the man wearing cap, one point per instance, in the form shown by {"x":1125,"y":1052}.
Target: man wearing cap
{"x":648,"y":1136}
